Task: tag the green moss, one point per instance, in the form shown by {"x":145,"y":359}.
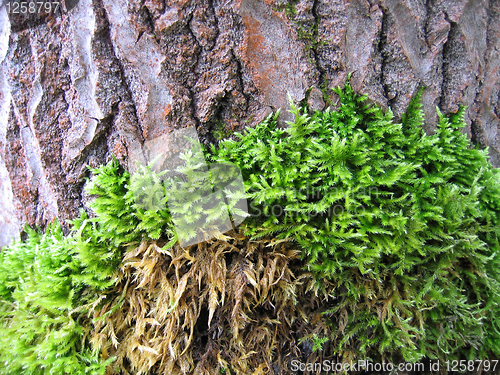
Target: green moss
{"x":405,"y":225}
{"x":402,"y":225}
{"x":221,"y":132}
{"x":43,"y":330}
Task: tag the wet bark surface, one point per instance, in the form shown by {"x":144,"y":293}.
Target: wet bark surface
{"x":106,"y":77}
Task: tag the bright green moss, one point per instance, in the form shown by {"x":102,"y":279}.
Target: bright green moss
{"x":406,"y":225}
{"x":41,"y":329}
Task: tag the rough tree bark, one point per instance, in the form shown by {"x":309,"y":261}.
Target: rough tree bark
{"x":107,"y":76}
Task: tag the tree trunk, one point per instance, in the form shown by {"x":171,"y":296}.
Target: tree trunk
{"x":103,"y":77}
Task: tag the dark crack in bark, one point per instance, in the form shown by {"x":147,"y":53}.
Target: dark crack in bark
{"x":381,"y":49}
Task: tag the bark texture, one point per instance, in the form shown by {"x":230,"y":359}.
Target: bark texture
{"x":107,"y":76}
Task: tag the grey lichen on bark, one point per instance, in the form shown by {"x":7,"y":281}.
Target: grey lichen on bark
{"x":106,"y":77}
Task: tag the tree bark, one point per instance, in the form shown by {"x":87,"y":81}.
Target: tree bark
{"x":105,"y":77}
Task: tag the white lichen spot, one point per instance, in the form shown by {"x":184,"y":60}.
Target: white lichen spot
{"x":142,"y":60}
{"x":9,"y":225}
{"x":84,"y":111}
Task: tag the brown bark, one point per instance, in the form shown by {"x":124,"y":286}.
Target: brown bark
{"x":107,"y":76}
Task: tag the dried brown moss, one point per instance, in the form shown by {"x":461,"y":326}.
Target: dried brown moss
{"x":230,"y":306}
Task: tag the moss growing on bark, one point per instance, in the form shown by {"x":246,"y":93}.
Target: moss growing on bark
{"x":405,"y":225}
{"x":368,"y":240}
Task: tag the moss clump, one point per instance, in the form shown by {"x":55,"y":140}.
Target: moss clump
{"x":119,"y":301}
{"x":405,"y":225}
{"x":368,"y":240}
{"x":223,"y":304}
{"x":42,"y":329}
